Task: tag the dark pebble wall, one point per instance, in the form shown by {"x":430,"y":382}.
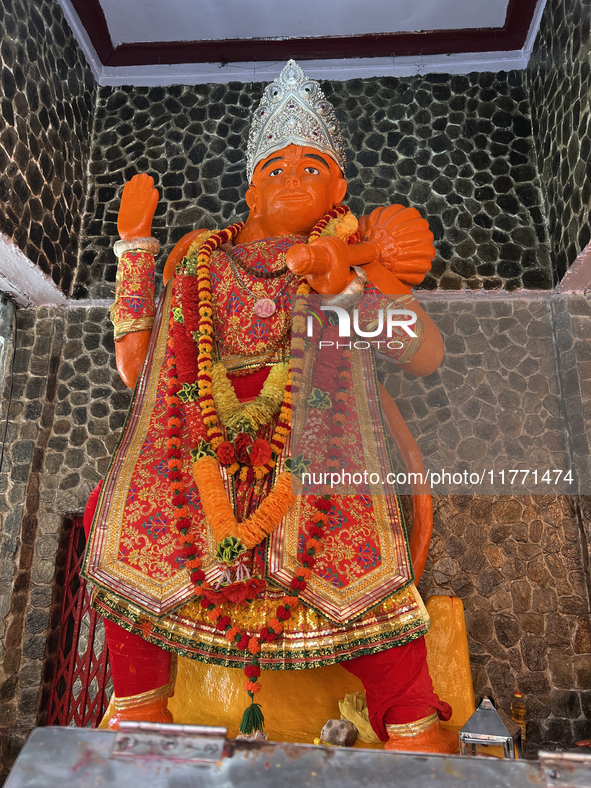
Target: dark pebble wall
{"x":559,"y":86}
{"x":46,"y":106}
{"x":459,"y":148}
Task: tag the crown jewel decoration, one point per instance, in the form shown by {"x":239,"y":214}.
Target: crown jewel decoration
{"x":293,"y":111}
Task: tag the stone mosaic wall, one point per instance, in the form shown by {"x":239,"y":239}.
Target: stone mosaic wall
{"x":559,"y":88}
{"x":518,"y":564}
{"x":458,"y":148}
{"x":504,"y":397}
{"x":515,"y":382}
{"x":47,"y":100}
{"x":27,"y":554}
{"x":65,"y":404}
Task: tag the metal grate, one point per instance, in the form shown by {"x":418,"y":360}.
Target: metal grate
{"x":82,"y":680}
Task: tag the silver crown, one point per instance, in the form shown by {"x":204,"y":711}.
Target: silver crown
{"x":293,"y":111}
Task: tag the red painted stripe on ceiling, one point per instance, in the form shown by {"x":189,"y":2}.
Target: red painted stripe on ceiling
{"x":509,"y":37}
{"x":93,"y":19}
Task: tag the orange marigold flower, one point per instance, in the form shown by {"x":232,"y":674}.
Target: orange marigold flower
{"x":214,"y":614}
{"x":319,"y":517}
{"x":312,"y":544}
{"x":306,"y":573}
{"x":250,"y":686}
{"x":231,"y":633}
{"x":254,"y":646}
{"x":276,"y":625}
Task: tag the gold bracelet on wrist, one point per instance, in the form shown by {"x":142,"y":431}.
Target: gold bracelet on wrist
{"x":351,"y":294}
{"x":124,"y":327}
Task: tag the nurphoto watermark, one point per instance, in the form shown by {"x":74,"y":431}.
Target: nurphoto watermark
{"x":364,"y":424}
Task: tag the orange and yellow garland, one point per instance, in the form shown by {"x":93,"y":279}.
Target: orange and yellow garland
{"x":194,"y":297}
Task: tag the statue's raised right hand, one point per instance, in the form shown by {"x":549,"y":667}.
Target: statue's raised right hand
{"x":138,"y":205}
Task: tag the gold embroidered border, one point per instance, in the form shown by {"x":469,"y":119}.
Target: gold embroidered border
{"x":401,"y":619}
{"x":101,"y":564}
{"x":412,"y":729}
{"x":125,"y":327}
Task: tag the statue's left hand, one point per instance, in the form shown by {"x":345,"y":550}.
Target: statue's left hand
{"x":324,"y":262}
{"x":403,"y":241}
{"x":138,"y":205}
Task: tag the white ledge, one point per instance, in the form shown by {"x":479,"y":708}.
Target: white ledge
{"x":25,"y":282}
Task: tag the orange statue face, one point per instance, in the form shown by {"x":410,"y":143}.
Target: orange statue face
{"x":292,"y":189}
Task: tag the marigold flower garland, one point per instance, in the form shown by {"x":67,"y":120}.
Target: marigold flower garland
{"x":197,"y":311}
{"x":199,"y":323}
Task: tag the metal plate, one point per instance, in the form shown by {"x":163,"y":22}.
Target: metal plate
{"x":83,"y":758}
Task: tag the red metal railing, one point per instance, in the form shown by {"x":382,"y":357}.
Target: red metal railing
{"x":82,"y":673}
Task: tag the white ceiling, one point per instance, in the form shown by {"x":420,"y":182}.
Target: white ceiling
{"x":132,"y":45}
{"x":132,"y":21}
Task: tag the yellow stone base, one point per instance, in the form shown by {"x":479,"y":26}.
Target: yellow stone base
{"x":297,"y":703}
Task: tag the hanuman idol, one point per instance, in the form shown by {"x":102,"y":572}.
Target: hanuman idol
{"x":199,"y":543}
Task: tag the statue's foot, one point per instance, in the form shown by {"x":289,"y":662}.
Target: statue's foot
{"x":155,"y":711}
{"x":424,"y":735}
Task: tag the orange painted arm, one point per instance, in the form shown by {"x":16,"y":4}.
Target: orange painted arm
{"x":138,"y":204}
{"x":130,"y":354}
{"x":422,"y":504}
{"x":132,"y":349}
{"x":430,"y":354}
